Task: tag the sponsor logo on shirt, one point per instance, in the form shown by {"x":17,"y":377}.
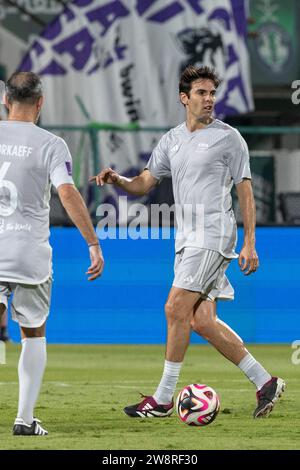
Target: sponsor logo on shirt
{"x":175,"y":148}
{"x":16,"y":227}
{"x":202,"y":145}
{"x":69,"y":168}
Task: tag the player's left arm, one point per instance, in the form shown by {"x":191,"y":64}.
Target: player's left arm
{"x":75,"y":206}
{"x":248,"y":259}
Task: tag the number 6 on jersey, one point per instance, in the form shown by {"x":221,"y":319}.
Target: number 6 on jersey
{"x":9,"y":208}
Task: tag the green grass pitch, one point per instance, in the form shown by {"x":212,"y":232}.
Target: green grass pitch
{"x":86,"y":387}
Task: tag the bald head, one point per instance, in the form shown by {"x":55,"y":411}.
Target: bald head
{"x":24,"y":87}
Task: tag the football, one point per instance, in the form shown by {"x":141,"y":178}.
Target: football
{"x":197,"y":405}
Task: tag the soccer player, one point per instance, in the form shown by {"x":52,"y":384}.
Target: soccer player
{"x":31,"y":159}
{"x":205,"y":157}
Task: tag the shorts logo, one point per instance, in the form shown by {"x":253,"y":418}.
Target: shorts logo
{"x":189,"y":280}
{"x":69,"y":168}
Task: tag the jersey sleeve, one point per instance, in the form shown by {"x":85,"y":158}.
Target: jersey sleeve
{"x":238,"y":158}
{"x":60,"y":164}
{"x":159,"y":163}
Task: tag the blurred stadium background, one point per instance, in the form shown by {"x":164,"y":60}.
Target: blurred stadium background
{"x":110,"y":69}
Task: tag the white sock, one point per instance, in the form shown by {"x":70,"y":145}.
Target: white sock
{"x":31,"y":368}
{"x":254,"y":371}
{"x":167,"y":386}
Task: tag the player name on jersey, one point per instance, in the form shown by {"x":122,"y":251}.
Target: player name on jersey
{"x":15,"y":150}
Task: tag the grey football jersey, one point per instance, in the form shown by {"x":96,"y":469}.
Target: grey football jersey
{"x":203,"y":165}
{"x":30,"y":160}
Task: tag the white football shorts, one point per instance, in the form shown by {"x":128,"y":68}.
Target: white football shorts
{"x":30,"y":303}
{"x":202,"y":270}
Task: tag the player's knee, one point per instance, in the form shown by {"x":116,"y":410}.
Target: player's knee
{"x":2,"y":310}
{"x":33,"y":332}
{"x":176,"y":310}
{"x":203,"y":322}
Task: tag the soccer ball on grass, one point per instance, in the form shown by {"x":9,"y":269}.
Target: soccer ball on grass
{"x":197,"y":405}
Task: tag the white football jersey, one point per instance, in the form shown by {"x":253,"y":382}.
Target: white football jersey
{"x":31,"y":159}
{"x":203,"y":165}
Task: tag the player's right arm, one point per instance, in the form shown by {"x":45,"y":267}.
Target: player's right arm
{"x":157,"y":168}
{"x":138,"y":185}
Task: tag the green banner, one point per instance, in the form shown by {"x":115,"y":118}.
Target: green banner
{"x":273,"y":43}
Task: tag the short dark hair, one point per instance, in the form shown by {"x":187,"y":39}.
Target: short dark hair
{"x":191,"y":73}
{"x":24,"y":87}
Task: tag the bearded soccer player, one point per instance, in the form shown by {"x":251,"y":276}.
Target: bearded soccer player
{"x":205,"y":157}
{"x":31,"y":159}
